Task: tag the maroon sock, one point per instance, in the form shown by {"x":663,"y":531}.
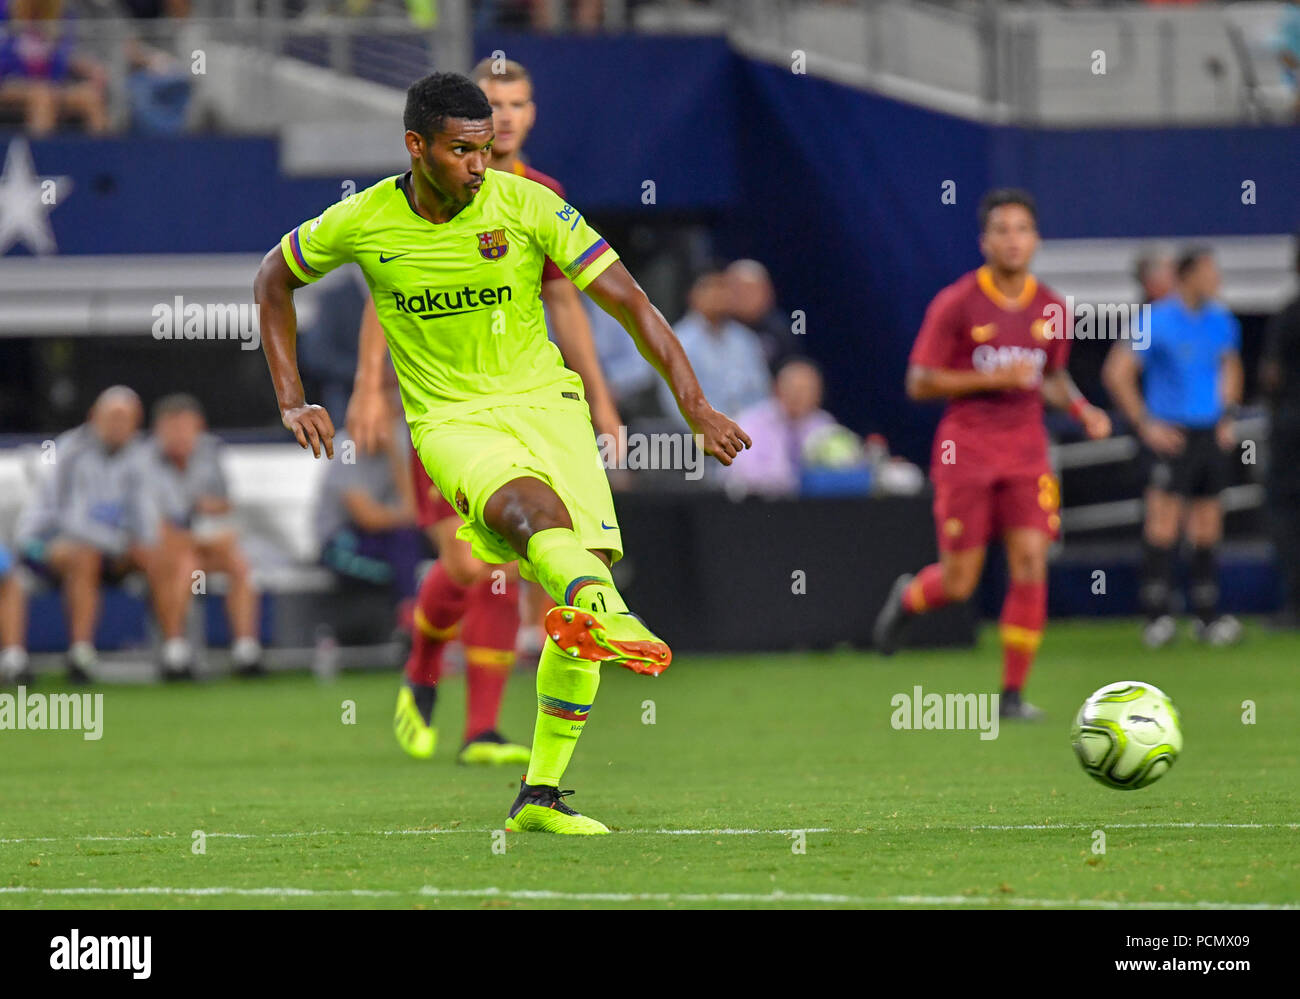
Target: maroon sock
{"x":489,"y":632}
{"x":925,"y":592}
{"x":439,"y":606}
{"x":1024,"y":612}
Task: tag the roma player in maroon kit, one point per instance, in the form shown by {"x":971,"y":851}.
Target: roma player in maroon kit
{"x":994,"y":349}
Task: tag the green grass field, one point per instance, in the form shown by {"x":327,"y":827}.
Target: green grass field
{"x":301,"y":810}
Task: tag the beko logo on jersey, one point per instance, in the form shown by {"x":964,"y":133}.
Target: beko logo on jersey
{"x":430,"y":304}
{"x":986,"y":357}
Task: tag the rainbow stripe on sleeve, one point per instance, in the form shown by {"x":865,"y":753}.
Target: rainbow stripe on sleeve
{"x":301,"y":261}
{"x":585,"y":259}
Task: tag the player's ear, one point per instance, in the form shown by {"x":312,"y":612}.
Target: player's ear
{"x":415,"y":144}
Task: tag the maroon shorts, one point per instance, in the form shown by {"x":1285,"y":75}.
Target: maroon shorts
{"x":430,"y":505}
{"x":970,"y":514}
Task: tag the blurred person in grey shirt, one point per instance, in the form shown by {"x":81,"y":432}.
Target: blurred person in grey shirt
{"x":366,"y":519}
{"x":198,"y":533}
{"x":92,"y":518}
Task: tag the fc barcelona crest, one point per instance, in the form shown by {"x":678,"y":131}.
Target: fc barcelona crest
{"x":492,"y":245}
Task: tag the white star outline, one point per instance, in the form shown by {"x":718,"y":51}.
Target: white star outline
{"x":24,"y":213}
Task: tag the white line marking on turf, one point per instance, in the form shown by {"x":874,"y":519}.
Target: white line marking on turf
{"x":884,"y":830}
{"x":543,"y":895}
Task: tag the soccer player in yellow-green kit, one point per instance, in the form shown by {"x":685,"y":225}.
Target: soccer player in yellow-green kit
{"x":453,"y":254}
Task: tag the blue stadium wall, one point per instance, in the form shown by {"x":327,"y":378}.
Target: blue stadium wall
{"x":838,"y":191}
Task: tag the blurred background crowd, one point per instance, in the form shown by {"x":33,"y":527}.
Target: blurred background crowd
{"x":154,"y":148}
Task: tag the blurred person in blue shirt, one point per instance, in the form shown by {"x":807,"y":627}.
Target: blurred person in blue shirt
{"x":14,"y":668}
{"x":1183,"y":411}
{"x":727,"y":356}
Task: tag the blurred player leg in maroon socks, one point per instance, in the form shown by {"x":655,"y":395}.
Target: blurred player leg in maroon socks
{"x":488,"y":632}
{"x":1024,"y":613}
{"x":440,"y":605}
{"x":925,"y":592}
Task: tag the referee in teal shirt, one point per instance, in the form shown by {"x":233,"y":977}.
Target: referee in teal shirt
{"x":1182,"y":394}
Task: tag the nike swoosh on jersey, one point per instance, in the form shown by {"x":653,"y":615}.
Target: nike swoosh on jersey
{"x":609,"y":527}
{"x":384,"y":260}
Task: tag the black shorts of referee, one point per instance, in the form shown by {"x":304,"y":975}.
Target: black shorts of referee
{"x":1201,"y":470}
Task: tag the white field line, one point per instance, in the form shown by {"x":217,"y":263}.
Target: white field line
{"x":880,"y":830}
{"x":527,"y":895}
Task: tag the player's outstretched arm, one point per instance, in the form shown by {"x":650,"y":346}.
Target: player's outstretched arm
{"x":616,"y":291}
{"x":273,"y":289}
{"x":369,"y":419}
{"x":1060,"y":391}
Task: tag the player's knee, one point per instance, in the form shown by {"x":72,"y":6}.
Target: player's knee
{"x":463,"y":568}
{"x":1027,"y":569}
{"x":520,"y":509}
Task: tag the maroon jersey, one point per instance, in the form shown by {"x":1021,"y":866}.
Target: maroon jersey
{"x":971,"y":326}
{"x":550,"y":269}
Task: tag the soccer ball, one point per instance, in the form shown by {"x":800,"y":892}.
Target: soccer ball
{"x":1127,"y":735}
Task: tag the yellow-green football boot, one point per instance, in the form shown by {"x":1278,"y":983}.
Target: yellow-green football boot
{"x":541,"y":808}
{"x":414,"y":735}
{"x":494,"y":749}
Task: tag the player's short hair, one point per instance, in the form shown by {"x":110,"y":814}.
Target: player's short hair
{"x":1147,"y":259}
{"x":1189,"y":258}
{"x":177,"y":402}
{"x":432,"y":99}
{"x":499,"y":71}
{"x":1000,"y":196}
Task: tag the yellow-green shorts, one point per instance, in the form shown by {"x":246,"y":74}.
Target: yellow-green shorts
{"x":470,"y":457}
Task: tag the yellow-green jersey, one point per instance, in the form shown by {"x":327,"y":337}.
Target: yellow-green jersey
{"x":460,"y":302}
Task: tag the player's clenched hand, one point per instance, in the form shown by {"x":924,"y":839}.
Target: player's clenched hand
{"x":1096,"y":422}
{"x":313,"y":428}
{"x":1021,"y":374}
{"x":721,"y":437}
{"x":1161,"y":437}
{"x":369,"y":420}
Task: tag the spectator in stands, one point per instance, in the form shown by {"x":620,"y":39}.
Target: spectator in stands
{"x":198,"y":534}
{"x":1288,"y":50}
{"x":13,"y":623}
{"x":753,"y":303}
{"x":366,"y":520}
{"x":1154,"y":271}
{"x":780,"y":427}
{"x":1279,"y":377}
{"x":159,"y":83}
{"x":93,"y":518}
{"x":727,"y":357}
{"x":1184,"y":410}
{"x":42,"y":73}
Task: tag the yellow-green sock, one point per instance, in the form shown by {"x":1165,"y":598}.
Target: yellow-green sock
{"x":566,"y":689}
{"x":572,"y":575}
